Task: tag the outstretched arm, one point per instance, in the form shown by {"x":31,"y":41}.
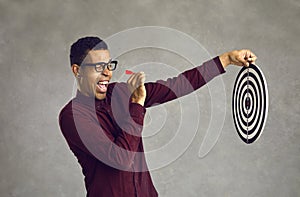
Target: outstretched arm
{"x":166,"y":90}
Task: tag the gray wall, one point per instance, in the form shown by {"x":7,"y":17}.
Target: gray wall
{"x":36,"y":82}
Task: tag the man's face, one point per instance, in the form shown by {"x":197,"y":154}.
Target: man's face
{"x":93,"y":83}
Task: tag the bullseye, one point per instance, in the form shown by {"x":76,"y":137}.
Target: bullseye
{"x":247,"y":103}
{"x":250,"y":103}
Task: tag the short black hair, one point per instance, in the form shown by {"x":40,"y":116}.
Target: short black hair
{"x":82,"y":46}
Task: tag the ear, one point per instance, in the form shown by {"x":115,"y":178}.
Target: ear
{"x":75,"y":70}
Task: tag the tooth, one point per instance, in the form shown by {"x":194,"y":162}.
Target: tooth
{"x":103,"y":82}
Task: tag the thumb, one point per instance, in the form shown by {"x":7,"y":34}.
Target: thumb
{"x":243,"y":61}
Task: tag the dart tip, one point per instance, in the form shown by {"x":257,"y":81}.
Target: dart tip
{"x":128,"y":72}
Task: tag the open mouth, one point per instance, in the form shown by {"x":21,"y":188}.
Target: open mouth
{"x":102,"y":86}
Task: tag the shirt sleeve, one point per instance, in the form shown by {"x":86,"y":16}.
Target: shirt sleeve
{"x":163,"y":91}
{"x":83,"y":131}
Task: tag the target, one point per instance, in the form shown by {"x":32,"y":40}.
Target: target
{"x":250,"y":103}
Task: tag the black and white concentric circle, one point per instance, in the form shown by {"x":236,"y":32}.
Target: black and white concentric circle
{"x":250,"y":103}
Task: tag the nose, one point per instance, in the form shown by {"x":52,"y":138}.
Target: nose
{"x":105,"y":72}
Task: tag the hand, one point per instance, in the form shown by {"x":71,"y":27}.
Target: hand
{"x":137,"y":88}
{"x":242,"y":57}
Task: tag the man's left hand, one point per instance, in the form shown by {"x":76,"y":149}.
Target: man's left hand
{"x":242,"y":57}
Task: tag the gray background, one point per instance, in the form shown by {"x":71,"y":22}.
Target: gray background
{"x":36,"y":82}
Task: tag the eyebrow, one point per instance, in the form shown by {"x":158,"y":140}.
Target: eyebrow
{"x":96,"y":63}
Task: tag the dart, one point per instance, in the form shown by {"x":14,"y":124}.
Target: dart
{"x":128,"y":72}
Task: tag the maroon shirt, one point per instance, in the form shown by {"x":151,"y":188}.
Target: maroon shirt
{"x":105,"y":135}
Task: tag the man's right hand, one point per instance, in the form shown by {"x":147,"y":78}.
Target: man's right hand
{"x":137,"y":88}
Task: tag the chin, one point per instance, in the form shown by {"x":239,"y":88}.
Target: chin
{"x":100,"y":96}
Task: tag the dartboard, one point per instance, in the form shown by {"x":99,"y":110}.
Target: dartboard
{"x":250,"y":103}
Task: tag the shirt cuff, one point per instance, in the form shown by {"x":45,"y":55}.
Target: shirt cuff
{"x":137,"y":112}
{"x":219,"y":64}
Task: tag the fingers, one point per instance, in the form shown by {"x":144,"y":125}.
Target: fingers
{"x":244,"y":57}
{"x":136,"y":87}
{"x":136,"y":80}
{"x":252,"y":58}
{"x":242,"y":61}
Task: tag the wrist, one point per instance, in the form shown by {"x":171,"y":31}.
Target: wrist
{"x":224,"y":59}
{"x":138,"y":101}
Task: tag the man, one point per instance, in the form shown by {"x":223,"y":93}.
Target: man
{"x":103,"y":123}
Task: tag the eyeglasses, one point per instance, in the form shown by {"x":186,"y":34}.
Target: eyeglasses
{"x":100,"y":66}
